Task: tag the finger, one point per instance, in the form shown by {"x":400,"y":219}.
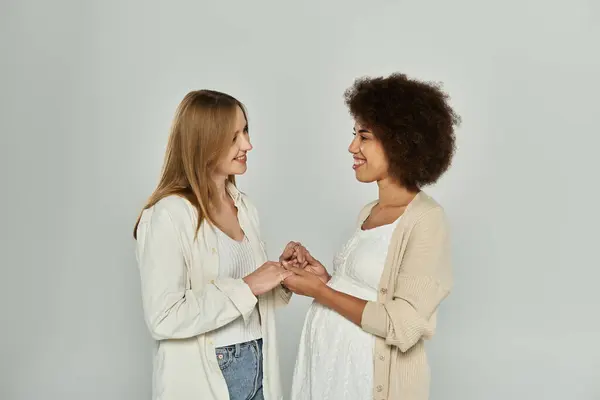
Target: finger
{"x":297,"y":271}
{"x":301,"y":254}
{"x":288,"y":250}
{"x":289,"y":266}
{"x":310,"y":258}
{"x":285,"y":275}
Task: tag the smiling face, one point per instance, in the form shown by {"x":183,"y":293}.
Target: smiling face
{"x":370,"y":161}
{"x":233,"y":161}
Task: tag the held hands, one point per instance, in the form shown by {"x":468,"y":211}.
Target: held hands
{"x":303,"y":282}
{"x":266,"y":277}
{"x":297,"y":270}
{"x":315,"y":267}
{"x":309,"y":275}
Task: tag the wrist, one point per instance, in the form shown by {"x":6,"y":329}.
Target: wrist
{"x":248,"y":283}
{"x":322,"y":292}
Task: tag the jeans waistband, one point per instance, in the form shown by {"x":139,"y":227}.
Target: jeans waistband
{"x":238,"y":347}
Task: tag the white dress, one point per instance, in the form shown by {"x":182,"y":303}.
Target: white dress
{"x":335,"y":357}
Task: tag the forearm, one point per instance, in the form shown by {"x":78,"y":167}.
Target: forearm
{"x":181,"y":314}
{"x":349,"y":307}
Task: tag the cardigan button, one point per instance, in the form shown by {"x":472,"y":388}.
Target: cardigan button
{"x":383,"y":290}
{"x":382,"y":357}
{"x":214,"y":251}
{"x":379,"y":388}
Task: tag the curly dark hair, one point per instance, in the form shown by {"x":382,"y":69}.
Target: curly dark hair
{"x":413,"y":121}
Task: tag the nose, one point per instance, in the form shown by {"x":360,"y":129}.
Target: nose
{"x":246,"y":145}
{"x":354,"y":147}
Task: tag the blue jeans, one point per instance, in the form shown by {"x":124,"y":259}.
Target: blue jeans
{"x":242,"y":368}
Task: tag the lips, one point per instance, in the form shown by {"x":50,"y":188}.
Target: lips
{"x":358,"y":162}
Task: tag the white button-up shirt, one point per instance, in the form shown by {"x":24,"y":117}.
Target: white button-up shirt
{"x":184,"y":300}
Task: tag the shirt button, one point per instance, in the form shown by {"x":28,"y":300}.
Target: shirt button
{"x":212,"y":281}
{"x":379,"y":388}
{"x":383,"y":290}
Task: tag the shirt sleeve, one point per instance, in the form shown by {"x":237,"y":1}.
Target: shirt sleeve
{"x":172,"y":310}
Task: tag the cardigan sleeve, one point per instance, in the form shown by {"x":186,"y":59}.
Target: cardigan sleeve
{"x":171,"y":310}
{"x":423,"y":282}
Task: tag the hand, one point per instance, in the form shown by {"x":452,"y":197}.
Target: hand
{"x":294,"y":254}
{"x":266,"y":277}
{"x":289,"y":253}
{"x":314,"y":266}
{"x":303,"y":282}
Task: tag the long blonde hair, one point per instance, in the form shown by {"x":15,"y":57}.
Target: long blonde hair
{"x":203,"y":129}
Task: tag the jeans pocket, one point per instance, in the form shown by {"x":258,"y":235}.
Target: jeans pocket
{"x":224,"y":358}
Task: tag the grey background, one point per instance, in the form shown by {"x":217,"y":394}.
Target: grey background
{"x":88,"y":90}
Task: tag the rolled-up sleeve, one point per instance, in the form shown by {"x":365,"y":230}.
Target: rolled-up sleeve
{"x":424,"y":281}
{"x":171,"y":309}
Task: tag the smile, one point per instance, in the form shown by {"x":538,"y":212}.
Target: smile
{"x":358,"y":162}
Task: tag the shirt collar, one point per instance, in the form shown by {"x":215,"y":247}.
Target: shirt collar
{"x":234,"y":192}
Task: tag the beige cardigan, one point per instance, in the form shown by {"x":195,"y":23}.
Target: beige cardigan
{"x":416,"y":278}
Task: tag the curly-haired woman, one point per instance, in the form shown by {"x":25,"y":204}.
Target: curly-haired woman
{"x":363,"y":336}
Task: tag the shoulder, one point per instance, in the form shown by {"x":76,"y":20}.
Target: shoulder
{"x":174,"y":210}
{"x":426,"y":212}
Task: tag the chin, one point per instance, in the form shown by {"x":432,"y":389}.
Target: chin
{"x":365,"y":179}
{"x":239,"y":170}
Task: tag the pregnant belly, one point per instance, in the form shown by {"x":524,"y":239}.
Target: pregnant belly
{"x":335,"y":359}
{"x":329,"y":332}
{"x":352,"y":287}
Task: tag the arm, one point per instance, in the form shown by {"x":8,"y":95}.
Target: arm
{"x":424,"y":281}
{"x":344,"y":304}
{"x":171,"y":310}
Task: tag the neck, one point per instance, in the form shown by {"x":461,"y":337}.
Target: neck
{"x":391,"y":194}
{"x":221,"y":196}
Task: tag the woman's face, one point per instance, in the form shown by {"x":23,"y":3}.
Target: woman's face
{"x":234,"y":160}
{"x":370,"y":162}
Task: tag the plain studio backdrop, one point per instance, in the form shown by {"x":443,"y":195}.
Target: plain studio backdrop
{"x":88,"y":92}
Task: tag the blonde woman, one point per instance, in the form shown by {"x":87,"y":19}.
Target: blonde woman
{"x":209,"y":293}
{"x":364,"y":334}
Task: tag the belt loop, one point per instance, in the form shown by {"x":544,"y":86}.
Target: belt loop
{"x":238,"y":350}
